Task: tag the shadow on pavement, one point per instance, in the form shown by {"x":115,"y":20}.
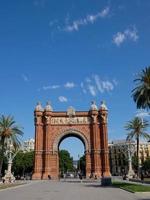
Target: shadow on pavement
{"x":99,"y":186}
{"x":145,"y":199}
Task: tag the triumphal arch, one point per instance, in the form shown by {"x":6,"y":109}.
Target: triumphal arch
{"x":52,"y":127}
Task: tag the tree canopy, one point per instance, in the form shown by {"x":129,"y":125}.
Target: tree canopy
{"x":141,"y":92}
{"x":10,"y":132}
{"x":137,"y":128}
{"x":23,"y":163}
{"x":65,"y":161}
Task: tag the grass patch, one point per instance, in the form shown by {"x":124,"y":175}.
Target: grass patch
{"x":131,"y":187}
{"x":4,"y":186}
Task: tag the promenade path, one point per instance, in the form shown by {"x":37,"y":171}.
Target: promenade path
{"x":53,"y":190}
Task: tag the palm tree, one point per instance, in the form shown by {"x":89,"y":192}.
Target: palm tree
{"x":137,"y":128}
{"x":8,"y":131}
{"x":141,"y":93}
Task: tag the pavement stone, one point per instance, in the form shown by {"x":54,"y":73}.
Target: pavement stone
{"x":54,"y":190}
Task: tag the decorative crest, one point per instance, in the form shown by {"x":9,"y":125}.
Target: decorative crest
{"x":38,"y":107}
{"x":93,"y":106}
{"x":48,"y":106}
{"x":71,"y":112}
{"x":103,"y":106}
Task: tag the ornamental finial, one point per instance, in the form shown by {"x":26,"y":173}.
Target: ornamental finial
{"x":93,"y":106}
{"x":48,"y":106}
{"x":103,"y":105}
{"x":38,"y":107}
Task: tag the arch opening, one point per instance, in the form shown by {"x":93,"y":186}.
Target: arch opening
{"x":71,"y":147}
{"x":71,"y":154}
{"x":71,"y":133}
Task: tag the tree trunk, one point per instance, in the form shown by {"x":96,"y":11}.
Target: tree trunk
{"x":138,"y":167}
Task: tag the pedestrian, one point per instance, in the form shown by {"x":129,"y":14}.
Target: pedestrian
{"x":49,"y":177}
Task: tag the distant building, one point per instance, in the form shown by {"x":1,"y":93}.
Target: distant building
{"x":75,"y":164}
{"x":28,"y":145}
{"x":118,"y":155}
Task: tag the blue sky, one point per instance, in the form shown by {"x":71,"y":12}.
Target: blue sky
{"x":72,"y":52}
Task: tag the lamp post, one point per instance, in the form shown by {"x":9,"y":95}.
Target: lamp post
{"x":128,"y":149}
{"x":131,"y":151}
{"x":10,"y":155}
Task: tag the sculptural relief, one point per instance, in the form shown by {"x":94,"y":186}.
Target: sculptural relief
{"x":70,"y":120}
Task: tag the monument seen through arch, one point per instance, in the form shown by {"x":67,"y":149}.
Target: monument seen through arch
{"x":52,"y":127}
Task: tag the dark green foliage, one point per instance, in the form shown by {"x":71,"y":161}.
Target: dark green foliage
{"x":135,"y":162}
{"x":23,"y":163}
{"x":146,"y":165}
{"x":65,"y":162}
{"x":8,"y":130}
{"x":82,"y":165}
{"x":141,"y":93}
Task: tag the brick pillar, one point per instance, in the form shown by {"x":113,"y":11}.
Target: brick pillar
{"x":95,"y":151}
{"x":104,"y":142}
{"x":54,"y":163}
{"x":38,"y":157}
{"x":47,"y":139}
{"x":88,"y":164}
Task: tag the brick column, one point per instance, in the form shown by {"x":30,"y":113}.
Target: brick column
{"x":95,"y":151}
{"x":104,"y":142}
{"x":88,"y":164}
{"x":47,"y":138}
{"x":38,"y":157}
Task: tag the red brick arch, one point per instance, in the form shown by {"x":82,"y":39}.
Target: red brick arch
{"x":72,"y":132}
{"x":52,"y":127}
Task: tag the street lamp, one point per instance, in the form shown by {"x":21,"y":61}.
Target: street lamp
{"x":128,"y":148}
{"x":10,"y":155}
{"x":131,"y":151}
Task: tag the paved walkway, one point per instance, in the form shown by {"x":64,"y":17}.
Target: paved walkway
{"x":51,"y":190}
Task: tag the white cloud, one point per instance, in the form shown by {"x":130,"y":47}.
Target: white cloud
{"x":132,"y":34}
{"x":119,"y":38}
{"x":51,"y":87}
{"x":103,"y":85}
{"x":107,"y":85}
{"x":25,"y":78}
{"x":62,"y":99}
{"x":89,"y":19}
{"x":69,"y":85}
{"x":104,"y":12}
{"x":92,"y":90}
{"x":97,"y":85}
{"x":128,"y":34}
{"x":83,"y":88}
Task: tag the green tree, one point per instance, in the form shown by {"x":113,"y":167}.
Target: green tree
{"x":8,"y":130}
{"x":137,"y":128}
{"x":82,"y":165}
{"x":146,"y":165}
{"x":141,"y":93}
{"x":23,"y":163}
{"x":135,"y":163}
{"x":65,"y":161}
